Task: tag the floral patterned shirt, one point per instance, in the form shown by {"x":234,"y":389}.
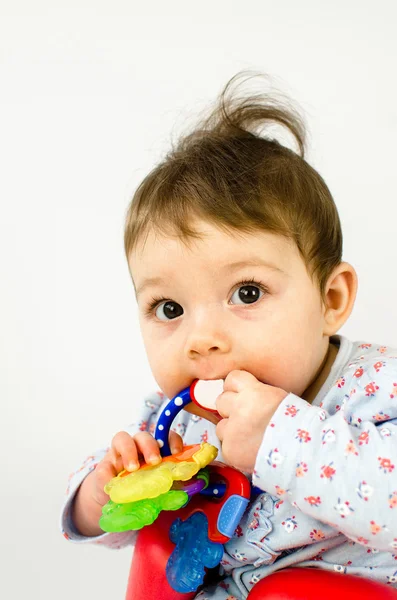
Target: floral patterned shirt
{"x":327,"y":471}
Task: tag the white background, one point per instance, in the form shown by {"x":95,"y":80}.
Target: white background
{"x":91,"y":93}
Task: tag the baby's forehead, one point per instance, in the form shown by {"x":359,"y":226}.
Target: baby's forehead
{"x":215,"y":251}
{"x":228,"y":241}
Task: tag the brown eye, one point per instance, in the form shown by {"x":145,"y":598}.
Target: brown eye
{"x":246,"y":294}
{"x":167,"y":311}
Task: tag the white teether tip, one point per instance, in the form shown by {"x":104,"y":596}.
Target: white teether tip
{"x":206,"y":392}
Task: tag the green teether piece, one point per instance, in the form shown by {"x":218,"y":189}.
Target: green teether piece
{"x":135,"y":515}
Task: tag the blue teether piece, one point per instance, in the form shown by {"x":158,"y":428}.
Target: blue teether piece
{"x":230,"y":515}
{"x":193,"y":551}
{"x":166,"y":418}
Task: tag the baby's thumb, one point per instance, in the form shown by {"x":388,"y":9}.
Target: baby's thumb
{"x":105,"y":471}
{"x":176,"y":442}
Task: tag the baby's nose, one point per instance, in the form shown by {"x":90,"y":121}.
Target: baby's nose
{"x":207,"y":336}
{"x":201,"y":348}
{"x":204,"y":343}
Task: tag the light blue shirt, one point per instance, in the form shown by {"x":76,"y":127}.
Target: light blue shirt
{"x":328,"y":471}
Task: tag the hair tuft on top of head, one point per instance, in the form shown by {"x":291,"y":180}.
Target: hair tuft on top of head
{"x":239,"y":115}
{"x":229,"y":172}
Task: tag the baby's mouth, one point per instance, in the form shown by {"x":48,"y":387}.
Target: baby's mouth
{"x":204,"y":393}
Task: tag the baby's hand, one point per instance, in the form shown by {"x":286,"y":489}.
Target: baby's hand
{"x":125,"y":453}
{"x":247,"y":406}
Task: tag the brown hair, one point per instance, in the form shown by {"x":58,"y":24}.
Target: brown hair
{"x":228,"y":174}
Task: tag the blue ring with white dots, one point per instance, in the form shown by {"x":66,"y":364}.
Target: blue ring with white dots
{"x":167,"y":417}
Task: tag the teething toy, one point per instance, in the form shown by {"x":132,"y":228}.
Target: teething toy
{"x":207,"y":522}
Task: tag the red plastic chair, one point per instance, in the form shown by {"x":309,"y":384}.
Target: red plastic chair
{"x":147,"y":579}
{"x":312,"y":584}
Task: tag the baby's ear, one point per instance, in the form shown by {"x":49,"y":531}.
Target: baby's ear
{"x":340,"y":294}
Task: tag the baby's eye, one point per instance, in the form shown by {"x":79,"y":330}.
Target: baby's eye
{"x":168,"y":310}
{"x":246,"y":294}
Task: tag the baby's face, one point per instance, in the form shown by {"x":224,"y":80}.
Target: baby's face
{"x":228,"y":301}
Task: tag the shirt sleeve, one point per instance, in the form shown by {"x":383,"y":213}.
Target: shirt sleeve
{"x":145,"y":421}
{"x":339,"y":466}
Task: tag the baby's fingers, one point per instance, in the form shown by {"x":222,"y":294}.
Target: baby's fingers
{"x":148,"y":447}
{"x":123,"y":445}
{"x":176,"y":442}
{"x":125,"y":450}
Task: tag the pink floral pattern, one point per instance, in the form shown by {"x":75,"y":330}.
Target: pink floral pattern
{"x":323,"y":469}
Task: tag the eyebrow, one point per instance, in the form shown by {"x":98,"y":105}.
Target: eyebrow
{"x":253,"y":262}
{"x":147,"y":283}
{"x":228,"y":268}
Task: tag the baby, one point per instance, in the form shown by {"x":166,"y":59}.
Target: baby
{"x":234,"y":247}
